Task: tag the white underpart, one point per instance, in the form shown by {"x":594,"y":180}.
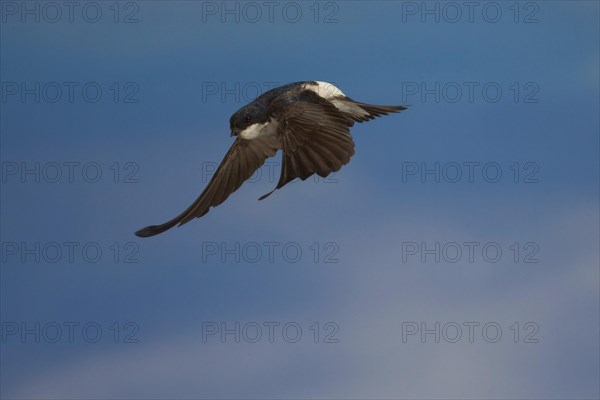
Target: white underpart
{"x":255,"y":130}
{"x":332,"y":93}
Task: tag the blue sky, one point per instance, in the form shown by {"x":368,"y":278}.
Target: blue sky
{"x":351,"y":260}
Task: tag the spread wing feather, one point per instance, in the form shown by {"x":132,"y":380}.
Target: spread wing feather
{"x":315,"y":139}
{"x":241,"y":161}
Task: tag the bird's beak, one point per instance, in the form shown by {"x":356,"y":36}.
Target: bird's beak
{"x":234,"y":132}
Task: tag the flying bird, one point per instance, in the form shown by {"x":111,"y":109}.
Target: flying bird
{"x":309,"y":121}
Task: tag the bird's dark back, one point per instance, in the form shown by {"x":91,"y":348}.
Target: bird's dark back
{"x":290,"y":88}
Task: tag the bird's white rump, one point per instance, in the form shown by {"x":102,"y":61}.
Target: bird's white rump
{"x":332,"y":93}
{"x":325,"y":89}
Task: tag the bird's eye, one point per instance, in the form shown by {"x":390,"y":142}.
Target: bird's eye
{"x":247,"y":118}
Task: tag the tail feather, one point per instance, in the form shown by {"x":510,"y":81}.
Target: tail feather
{"x":377,"y":111}
{"x":362,"y":112}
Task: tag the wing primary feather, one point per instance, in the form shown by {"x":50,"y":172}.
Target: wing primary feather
{"x":241,"y":161}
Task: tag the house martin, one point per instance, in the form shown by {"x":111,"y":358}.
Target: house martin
{"x":309,"y":121}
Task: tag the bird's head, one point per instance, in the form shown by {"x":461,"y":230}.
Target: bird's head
{"x":246,"y":116}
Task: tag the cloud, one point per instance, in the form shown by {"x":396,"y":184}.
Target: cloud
{"x":369,"y":297}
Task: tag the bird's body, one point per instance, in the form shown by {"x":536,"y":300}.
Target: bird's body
{"x":309,"y":121}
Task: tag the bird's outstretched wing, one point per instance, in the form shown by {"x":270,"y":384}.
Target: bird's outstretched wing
{"x":241,"y":161}
{"x":315,"y":139}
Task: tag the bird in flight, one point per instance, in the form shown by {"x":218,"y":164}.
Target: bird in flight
{"x":309,"y":121}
